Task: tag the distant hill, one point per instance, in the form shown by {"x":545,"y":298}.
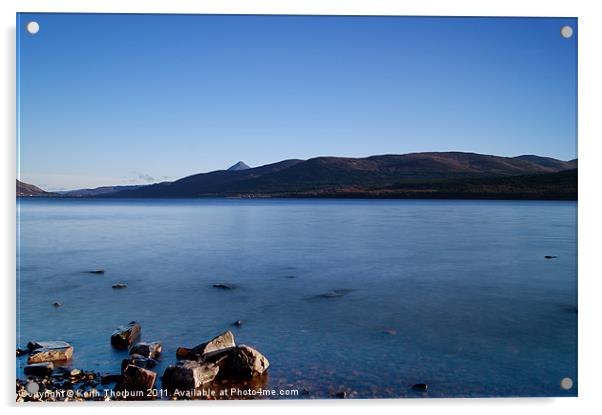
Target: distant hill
{"x":241,"y":165}
{"x":549,"y":162}
{"x":26,"y":189}
{"x":547,"y":186}
{"x":445,"y":174}
{"x":97,"y":191}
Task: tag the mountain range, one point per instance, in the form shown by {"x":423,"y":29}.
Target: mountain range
{"x":414,"y":175}
{"x":98,"y":190}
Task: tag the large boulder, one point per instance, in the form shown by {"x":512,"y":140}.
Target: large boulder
{"x":151,"y":350}
{"x":188,"y":374}
{"x":49,"y":351}
{"x":138,"y":379}
{"x":138,"y":360}
{"x":124,"y":336}
{"x":244,"y":362}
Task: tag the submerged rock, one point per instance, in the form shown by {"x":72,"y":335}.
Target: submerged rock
{"x":39,"y":369}
{"x":138,"y":360}
{"x":97,"y":271}
{"x":22,"y":352}
{"x":189,"y":374}
{"x":339,"y":292}
{"x":120,"y":285}
{"x":138,"y":379}
{"x":124,"y":336}
{"x":223,"y":286}
{"x":49,"y":351}
{"x":550,"y":256}
{"x":238,"y":323}
{"x":151,"y":350}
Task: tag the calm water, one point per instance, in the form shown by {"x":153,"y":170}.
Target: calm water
{"x":455,"y":294}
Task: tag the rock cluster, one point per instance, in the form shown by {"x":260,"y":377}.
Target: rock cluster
{"x":218,"y":359}
{"x":58,"y":384}
{"x":219,"y":362}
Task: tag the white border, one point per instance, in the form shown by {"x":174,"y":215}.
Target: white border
{"x":590,"y":206}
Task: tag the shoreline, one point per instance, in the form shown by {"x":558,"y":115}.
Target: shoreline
{"x":298,"y":197}
{"x":216,"y":369}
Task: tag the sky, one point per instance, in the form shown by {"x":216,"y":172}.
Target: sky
{"x":131,"y":99}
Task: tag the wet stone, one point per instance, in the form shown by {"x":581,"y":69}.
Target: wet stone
{"x":138,"y":379}
{"x":47,"y":345}
{"x":221,"y":342}
{"x":151,"y":350}
{"x":124,"y":336}
{"x":188,"y":374}
{"x":185,"y":353}
{"x":245,"y":362}
{"x":50,"y":352}
{"x":138,"y":360}
{"x":39,"y":369}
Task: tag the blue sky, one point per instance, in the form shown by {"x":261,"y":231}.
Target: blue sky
{"x":130,"y":99}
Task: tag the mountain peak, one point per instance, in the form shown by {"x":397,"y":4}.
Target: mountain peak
{"x":241,"y":165}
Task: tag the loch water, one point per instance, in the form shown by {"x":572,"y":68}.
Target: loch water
{"x":364,"y":296}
